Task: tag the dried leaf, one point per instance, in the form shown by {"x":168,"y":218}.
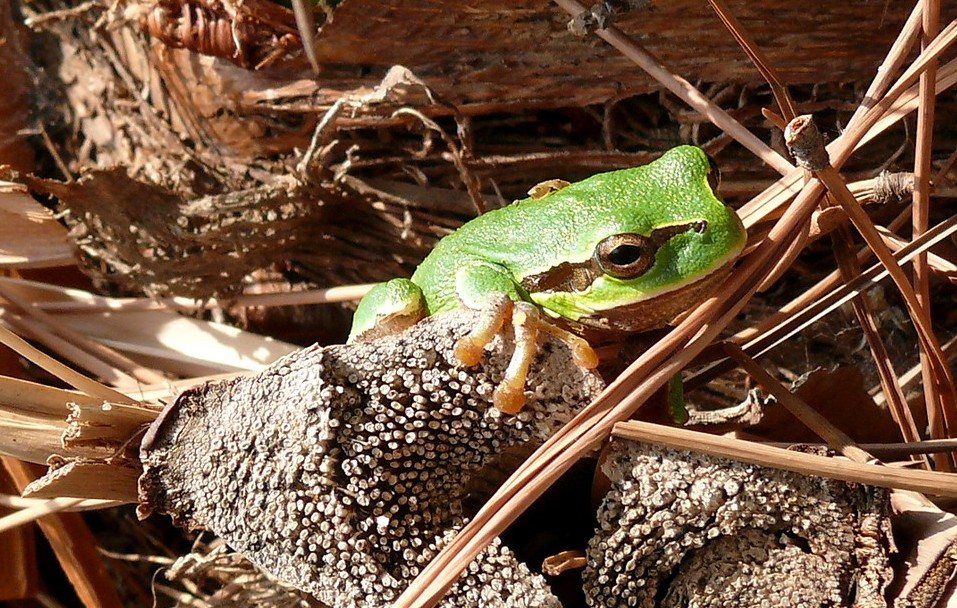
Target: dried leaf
{"x":841,"y":396}
{"x":29,"y":236}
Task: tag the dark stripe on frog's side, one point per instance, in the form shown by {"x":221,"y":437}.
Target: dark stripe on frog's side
{"x":564,"y":277}
{"x":578,"y":276}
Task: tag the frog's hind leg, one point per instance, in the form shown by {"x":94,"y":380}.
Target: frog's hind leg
{"x":527,"y":322}
{"x":490,"y":288}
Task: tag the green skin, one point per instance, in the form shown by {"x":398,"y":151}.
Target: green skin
{"x":535,"y":237}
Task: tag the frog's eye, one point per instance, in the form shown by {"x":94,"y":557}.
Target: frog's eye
{"x":624,"y":256}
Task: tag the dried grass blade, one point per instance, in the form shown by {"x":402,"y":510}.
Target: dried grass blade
{"x":40,"y":398}
{"x":162,"y":339}
{"x":306,"y":24}
{"x":78,"y":339}
{"x":345,"y":293}
{"x":811,"y":301}
{"x":73,"y":378}
{"x":893,"y":61}
{"x":944,"y":267}
{"x":67,"y":350}
{"x":841,"y":149}
{"x":908,"y":100}
{"x":33,"y":418}
{"x":896,"y":450}
{"x":30,"y":437}
{"x":911,"y":378}
{"x":35,"y":512}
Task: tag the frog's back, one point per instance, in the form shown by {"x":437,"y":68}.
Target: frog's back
{"x":524,"y":237}
{"x":531,"y":236}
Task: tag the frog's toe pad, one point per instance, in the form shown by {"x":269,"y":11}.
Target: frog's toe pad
{"x":508,"y":398}
{"x":469,"y":351}
{"x":584,"y":355}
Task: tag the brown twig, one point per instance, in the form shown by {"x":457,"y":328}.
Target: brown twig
{"x":921,"y":221}
{"x":757,"y":57}
{"x":930,"y":482}
{"x":683,"y":89}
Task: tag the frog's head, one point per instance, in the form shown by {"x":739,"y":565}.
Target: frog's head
{"x":655,"y":240}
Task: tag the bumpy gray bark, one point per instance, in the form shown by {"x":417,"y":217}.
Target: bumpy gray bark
{"x":341,"y":470}
{"x":686,"y":529}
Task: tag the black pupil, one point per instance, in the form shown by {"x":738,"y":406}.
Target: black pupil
{"x":624,"y":255}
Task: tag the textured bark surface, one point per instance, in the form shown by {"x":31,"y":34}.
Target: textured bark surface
{"x":499,"y":55}
{"x":342,"y":470}
{"x":680,"y":529}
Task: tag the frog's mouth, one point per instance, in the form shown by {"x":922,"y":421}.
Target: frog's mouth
{"x":653,"y":312}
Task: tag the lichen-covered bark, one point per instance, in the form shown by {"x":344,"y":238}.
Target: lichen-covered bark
{"x":685,"y":529}
{"x":342,"y":470}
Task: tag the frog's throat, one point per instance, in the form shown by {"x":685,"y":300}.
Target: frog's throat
{"x":655,"y":309}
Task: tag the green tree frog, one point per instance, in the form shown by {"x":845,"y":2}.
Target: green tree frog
{"x":619,"y":252}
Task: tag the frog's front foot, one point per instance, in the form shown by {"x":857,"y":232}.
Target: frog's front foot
{"x":509,"y":396}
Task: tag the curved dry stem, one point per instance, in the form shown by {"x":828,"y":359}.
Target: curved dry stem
{"x":683,"y":89}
